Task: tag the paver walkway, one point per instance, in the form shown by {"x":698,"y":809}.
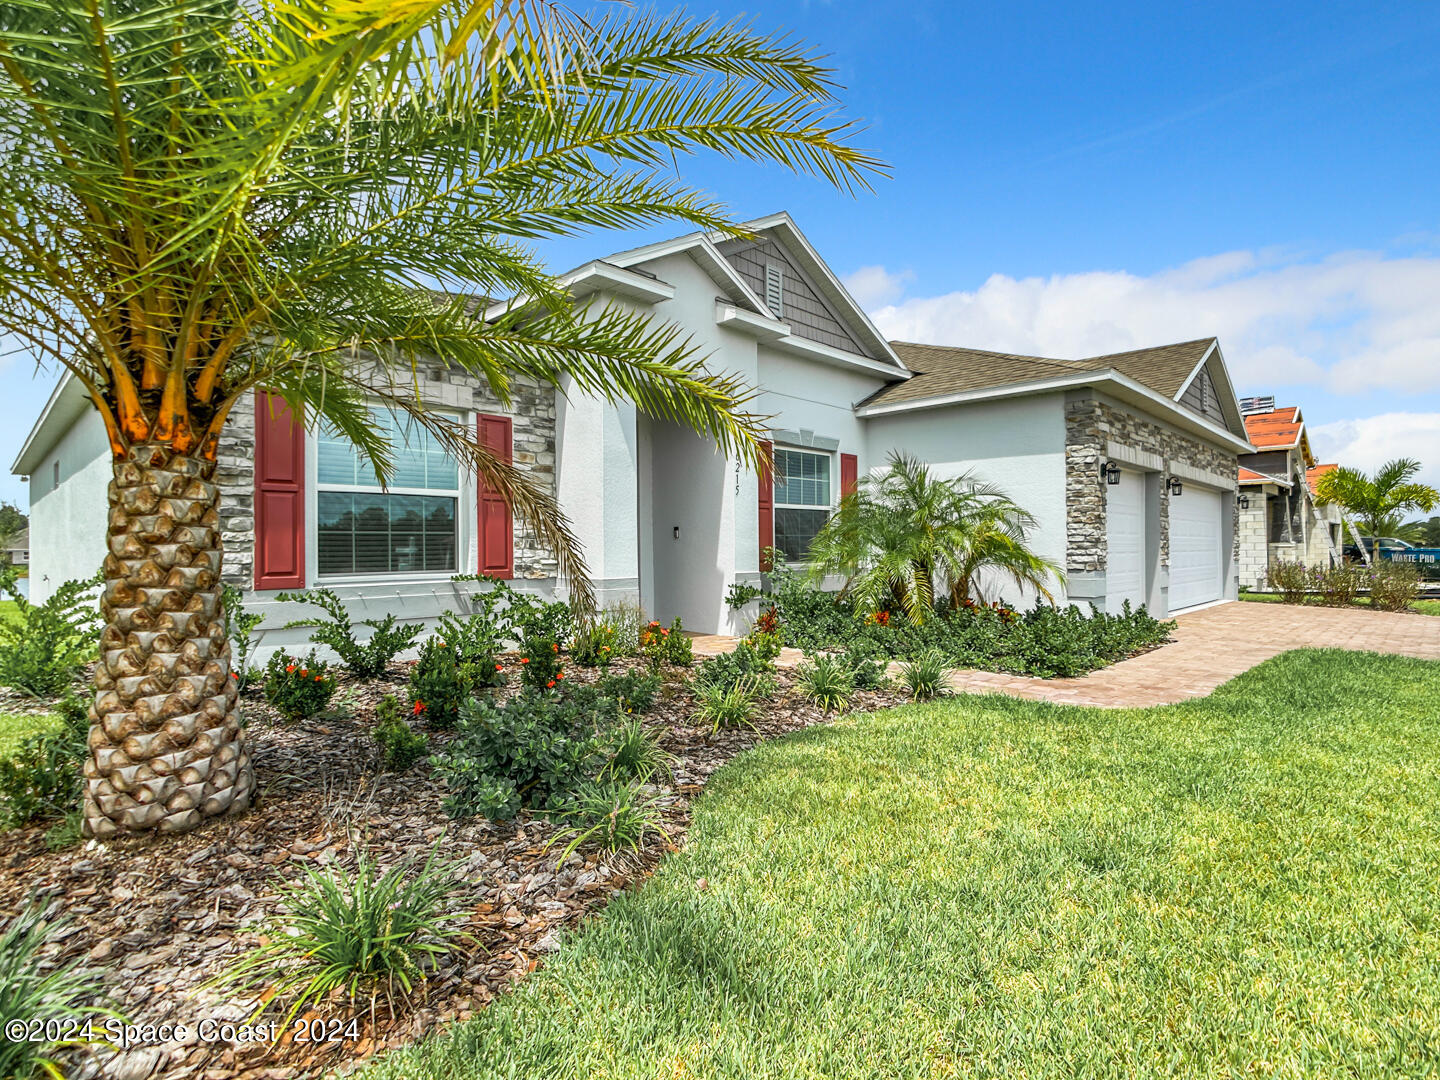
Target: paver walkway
{"x":1211,"y":646}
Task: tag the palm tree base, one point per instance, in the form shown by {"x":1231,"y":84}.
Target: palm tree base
{"x":166,"y":746}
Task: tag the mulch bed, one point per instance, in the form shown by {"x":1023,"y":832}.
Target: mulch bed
{"x":160,"y":918}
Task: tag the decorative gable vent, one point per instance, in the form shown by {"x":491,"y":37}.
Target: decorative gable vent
{"x":775,"y":290}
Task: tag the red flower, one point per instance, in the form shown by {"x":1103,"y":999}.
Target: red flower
{"x":289,"y":668}
{"x":550,"y":684}
{"x":319,"y":678}
{"x":304,"y":674}
{"x":499,"y":667}
{"x":524,"y":659}
{"x":555,"y":648}
{"x":418,"y":709}
{"x":234,"y":676}
{"x":559,"y":674}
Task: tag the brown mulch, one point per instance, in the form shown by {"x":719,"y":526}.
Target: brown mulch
{"x":161,"y":918}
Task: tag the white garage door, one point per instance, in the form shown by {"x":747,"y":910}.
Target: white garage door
{"x":1125,"y":536}
{"x":1196,"y":549}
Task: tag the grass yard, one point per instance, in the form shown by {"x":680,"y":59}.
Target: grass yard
{"x":15,"y":727}
{"x":987,"y":887}
{"x":1424,"y":607}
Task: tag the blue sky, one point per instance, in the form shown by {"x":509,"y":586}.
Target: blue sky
{"x":1070,"y":179}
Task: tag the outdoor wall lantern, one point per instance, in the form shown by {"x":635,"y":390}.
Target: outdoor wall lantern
{"x":1176,"y":488}
{"x":1244,"y":502}
{"x":1110,"y":472}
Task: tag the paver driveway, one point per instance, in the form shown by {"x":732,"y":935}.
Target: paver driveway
{"x":1214,"y":645}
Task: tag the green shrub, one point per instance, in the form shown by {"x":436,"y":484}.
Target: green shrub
{"x":400,"y":745}
{"x":868,"y":666}
{"x":628,"y":620}
{"x":635,"y":691}
{"x":635,"y":752}
{"x":298,"y":687}
{"x":654,"y":646}
{"x":43,"y":778}
{"x":240,"y":627}
{"x":362,"y":935}
{"x":1338,"y":586}
{"x":540,"y":665}
{"x":335,"y":630}
{"x":44,"y":646}
{"x":744,"y":664}
{"x":741,"y":593}
{"x":616,"y":816}
{"x":530,"y":617}
{"x":594,"y":645}
{"x":826,"y":680}
{"x":679,"y":649}
{"x":34,"y":990}
{"x":727,"y":706}
{"x":1393,"y":586}
{"x":476,"y":642}
{"x":436,"y":687}
{"x":924,"y":677}
{"x":1290,"y":579}
{"x":532,"y":751}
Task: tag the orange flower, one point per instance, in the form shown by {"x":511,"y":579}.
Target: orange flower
{"x":499,"y":667}
{"x":234,"y":676}
{"x":304,"y":674}
{"x":524,"y":659}
{"x":550,"y":684}
{"x":289,"y":668}
{"x":554,"y":647}
{"x":559,"y":674}
{"x":418,"y":709}
{"x":319,"y":678}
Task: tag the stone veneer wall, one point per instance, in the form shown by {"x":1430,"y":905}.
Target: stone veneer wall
{"x":1091,"y":424}
{"x":532,"y":410}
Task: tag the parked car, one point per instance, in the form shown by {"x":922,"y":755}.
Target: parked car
{"x":1387,"y":543}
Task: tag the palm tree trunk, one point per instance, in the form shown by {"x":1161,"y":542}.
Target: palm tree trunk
{"x":166,"y":749}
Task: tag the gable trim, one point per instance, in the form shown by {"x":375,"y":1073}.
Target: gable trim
{"x":1225,"y":388}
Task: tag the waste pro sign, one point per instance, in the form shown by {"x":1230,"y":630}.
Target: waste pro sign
{"x":1426,"y":560}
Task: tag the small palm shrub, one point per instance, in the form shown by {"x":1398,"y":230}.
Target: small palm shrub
{"x":1393,"y":586}
{"x":437,"y":688}
{"x":732,"y":706}
{"x":400,"y":745}
{"x":44,"y":646}
{"x":335,"y":630}
{"x":366,"y":935}
{"x":636,"y":753}
{"x":924,"y":677}
{"x":42,"y":778}
{"x":532,"y":751}
{"x":615,"y":816}
{"x":826,"y":680}
{"x":298,"y":687}
{"x":1290,"y":579}
{"x":35,"y":993}
{"x":744,"y":664}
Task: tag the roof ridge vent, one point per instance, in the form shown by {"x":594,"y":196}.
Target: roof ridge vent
{"x":1262,"y":403}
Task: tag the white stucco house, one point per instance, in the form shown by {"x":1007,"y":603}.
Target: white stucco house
{"x":1128,"y":461}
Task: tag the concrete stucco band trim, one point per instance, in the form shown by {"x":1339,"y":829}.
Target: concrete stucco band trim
{"x":1130,"y":455}
{"x":1204,"y":476}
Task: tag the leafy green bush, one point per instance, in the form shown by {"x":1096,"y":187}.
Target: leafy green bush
{"x":728,"y":706}
{"x":335,"y":630}
{"x":540,"y":665}
{"x":741,"y":593}
{"x":43,"y":646}
{"x":1290,"y":579}
{"x":476,"y":642}
{"x":42,"y":779}
{"x":594,"y":645}
{"x":240,"y":627}
{"x":33,"y":990}
{"x":615,"y":815}
{"x":1338,"y":586}
{"x":744,"y":664}
{"x":826,"y":680}
{"x":869,"y":666}
{"x":1393,"y":586}
{"x":924,"y":676}
{"x":635,"y":752}
{"x":363,"y":935}
{"x":298,"y":687}
{"x":400,"y":745}
{"x":436,"y":687}
{"x":654,"y":646}
{"x":679,"y":649}
{"x":532,"y":751}
{"x":635,"y":691}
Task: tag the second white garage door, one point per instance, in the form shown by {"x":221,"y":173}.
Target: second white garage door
{"x":1196,"y":548}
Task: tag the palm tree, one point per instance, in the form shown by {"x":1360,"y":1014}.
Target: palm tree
{"x":900,"y":535}
{"x":1377,"y":502}
{"x":200,"y":198}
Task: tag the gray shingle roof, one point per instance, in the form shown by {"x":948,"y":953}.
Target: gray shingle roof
{"x":942,"y":369}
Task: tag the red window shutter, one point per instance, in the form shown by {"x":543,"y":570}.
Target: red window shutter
{"x":279,"y":495}
{"x":849,"y":474}
{"x":497,"y":526}
{"x":767,"y":501}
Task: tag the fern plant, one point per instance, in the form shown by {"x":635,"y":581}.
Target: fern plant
{"x":336,"y":631}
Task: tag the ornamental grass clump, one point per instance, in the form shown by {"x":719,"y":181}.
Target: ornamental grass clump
{"x":826,"y":680}
{"x":298,"y":687}
{"x":732,"y":705}
{"x":924,"y":677}
{"x":367,"y":935}
{"x":636,"y":753}
{"x":614,"y":815}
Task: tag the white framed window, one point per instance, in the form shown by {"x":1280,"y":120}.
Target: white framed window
{"x":411,"y":528}
{"x":804,"y":498}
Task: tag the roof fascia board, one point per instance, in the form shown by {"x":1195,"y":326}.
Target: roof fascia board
{"x":699,"y":247}
{"x":814,"y":350}
{"x":63,"y":400}
{"x":600,"y":276}
{"x":821,"y":269}
{"x":737,"y":318}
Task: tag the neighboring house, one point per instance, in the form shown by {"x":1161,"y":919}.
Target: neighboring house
{"x":1280,"y":519}
{"x":17,"y":549}
{"x":667,"y":520}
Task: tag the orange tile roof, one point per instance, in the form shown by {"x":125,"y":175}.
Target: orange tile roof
{"x":1250,"y":476}
{"x":1275,"y":430}
{"x":1313,"y":474}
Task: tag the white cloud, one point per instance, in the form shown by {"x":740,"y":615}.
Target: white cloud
{"x":1351,"y":322}
{"x":873,"y":286}
{"x":1369,"y":443}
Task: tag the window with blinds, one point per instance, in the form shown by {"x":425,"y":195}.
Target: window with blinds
{"x":410,"y":528}
{"x":803,"y":499}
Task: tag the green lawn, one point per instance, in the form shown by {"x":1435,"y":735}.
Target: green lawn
{"x":1424,"y":607}
{"x":14,"y":728}
{"x":986,"y":887}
